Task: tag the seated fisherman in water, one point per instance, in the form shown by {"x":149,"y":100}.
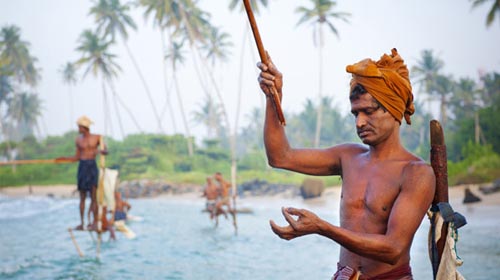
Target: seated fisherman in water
{"x":212,"y":192}
{"x":225,"y":197}
{"x":121,"y":207}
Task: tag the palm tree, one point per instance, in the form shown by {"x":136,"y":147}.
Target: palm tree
{"x":68,"y":73}
{"x":209,"y":114}
{"x":320,"y":14}
{"x":465,"y":103}
{"x":24,"y":109}
{"x":165,"y":16}
{"x":443,"y":89}
{"x":16,"y":64}
{"x":15,"y":56}
{"x":217,"y":45}
{"x":112,"y":18}
{"x":255,"y":6}
{"x":177,"y":57}
{"x":495,"y":9}
{"x":100,"y":62}
{"x":426,"y":72}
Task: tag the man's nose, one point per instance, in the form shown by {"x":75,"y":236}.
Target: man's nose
{"x":360,"y":120}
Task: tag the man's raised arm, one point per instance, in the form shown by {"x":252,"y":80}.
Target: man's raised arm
{"x":278,"y":150}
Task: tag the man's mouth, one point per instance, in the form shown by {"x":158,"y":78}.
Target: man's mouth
{"x":363,"y":133}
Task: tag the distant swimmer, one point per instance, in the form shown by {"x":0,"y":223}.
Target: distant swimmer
{"x":87,"y":148}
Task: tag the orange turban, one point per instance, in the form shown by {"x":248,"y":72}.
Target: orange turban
{"x":387,"y":80}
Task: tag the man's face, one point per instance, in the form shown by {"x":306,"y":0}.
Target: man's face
{"x":218,"y":177}
{"x":81,"y":129}
{"x":373,"y":124}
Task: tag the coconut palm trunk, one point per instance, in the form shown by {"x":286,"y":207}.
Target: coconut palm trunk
{"x":319,"y":115}
{"x":168,"y":102}
{"x":183,"y":114}
{"x":124,"y":106}
{"x":146,"y":87}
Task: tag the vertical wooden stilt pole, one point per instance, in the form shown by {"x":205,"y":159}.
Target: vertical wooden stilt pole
{"x":74,"y":242}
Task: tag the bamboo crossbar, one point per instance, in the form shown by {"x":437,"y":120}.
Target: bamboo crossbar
{"x":33,"y":161}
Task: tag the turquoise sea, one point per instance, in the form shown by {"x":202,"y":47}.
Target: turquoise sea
{"x":175,"y":240}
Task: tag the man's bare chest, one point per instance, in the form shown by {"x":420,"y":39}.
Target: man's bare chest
{"x":87,"y":143}
{"x":370,"y":190}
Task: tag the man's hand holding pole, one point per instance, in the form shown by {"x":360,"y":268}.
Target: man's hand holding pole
{"x":264,"y":58}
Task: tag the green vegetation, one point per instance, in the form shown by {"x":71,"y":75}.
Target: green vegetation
{"x":141,"y":156}
{"x":469,"y":109}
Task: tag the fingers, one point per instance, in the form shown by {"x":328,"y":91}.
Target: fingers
{"x":295,"y":211}
{"x":262,"y":66}
{"x":288,"y":217}
{"x":286,"y":232}
{"x":266,"y":80}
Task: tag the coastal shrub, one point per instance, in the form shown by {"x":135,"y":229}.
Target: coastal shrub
{"x":480,"y":165}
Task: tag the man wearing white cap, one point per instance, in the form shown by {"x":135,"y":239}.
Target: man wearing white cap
{"x":86,"y":151}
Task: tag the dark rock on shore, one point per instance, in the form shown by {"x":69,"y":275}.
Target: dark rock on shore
{"x":470,"y":197}
{"x":150,"y":188}
{"x":495,"y":187}
{"x":312,"y":188}
{"x":261,"y":188}
{"x":153,"y":188}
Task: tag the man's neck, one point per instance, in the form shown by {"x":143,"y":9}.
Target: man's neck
{"x":387,"y":149}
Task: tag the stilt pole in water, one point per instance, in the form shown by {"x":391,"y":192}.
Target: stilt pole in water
{"x":99,"y":239}
{"x":74,"y":242}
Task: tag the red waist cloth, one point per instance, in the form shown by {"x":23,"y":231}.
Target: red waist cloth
{"x":402,"y":272}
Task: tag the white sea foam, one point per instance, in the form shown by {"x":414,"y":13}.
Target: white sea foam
{"x":18,"y":208}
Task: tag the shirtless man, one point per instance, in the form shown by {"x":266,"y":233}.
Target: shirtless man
{"x":87,"y":145}
{"x":386,"y":190}
{"x":225,"y":187}
{"x":212,"y":193}
{"x":121,"y":207}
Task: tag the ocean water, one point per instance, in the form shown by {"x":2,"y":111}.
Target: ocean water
{"x":175,"y":240}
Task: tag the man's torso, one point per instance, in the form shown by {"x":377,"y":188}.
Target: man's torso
{"x":211,"y":192}
{"x":369,"y":190}
{"x":87,"y":145}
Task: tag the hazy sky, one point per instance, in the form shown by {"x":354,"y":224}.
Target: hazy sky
{"x":456,"y":33}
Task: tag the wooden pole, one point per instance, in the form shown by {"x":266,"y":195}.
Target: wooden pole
{"x":439,"y":165}
{"x":74,"y":242}
{"x":263,"y":57}
{"x":99,"y":240}
{"x":233,"y":182}
{"x":34,"y":161}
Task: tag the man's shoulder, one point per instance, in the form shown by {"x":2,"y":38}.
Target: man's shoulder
{"x":348,"y":150}
{"x":351,"y":148}
{"x":418,"y":169}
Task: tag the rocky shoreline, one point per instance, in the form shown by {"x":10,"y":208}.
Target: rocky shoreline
{"x":154,"y":188}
